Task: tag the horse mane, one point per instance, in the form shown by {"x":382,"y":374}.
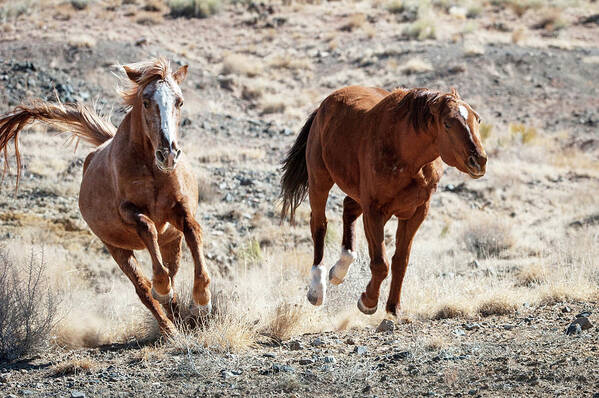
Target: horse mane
{"x":417,"y":105}
{"x":147,"y":72}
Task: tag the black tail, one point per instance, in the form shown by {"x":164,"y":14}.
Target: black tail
{"x":294,"y":182}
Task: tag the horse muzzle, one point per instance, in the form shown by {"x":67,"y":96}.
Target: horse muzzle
{"x":166,"y":159}
{"x":477,"y":166}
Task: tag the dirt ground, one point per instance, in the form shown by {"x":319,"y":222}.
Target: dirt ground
{"x":472,"y":323}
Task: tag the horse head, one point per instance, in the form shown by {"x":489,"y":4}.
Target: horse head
{"x":458,"y":138}
{"x":158,"y":98}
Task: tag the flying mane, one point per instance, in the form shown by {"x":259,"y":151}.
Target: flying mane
{"x":139,"y":75}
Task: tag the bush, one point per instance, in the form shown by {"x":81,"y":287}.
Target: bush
{"x":488,"y":238}
{"x":28,"y":308}
{"x":194,"y":8}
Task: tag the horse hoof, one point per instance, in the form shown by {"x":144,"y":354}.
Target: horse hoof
{"x":364,"y":309}
{"x":339,"y":270}
{"x":163,"y":298}
{"x":201,"y":311}
{"x":318,"y":288}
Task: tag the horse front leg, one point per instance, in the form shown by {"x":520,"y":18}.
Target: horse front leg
{"x":406,"y":229}
{"x":143,"y":287}
{"x":186,"y":223}
{"x":374,"y":227}
{"x":161,"y":281}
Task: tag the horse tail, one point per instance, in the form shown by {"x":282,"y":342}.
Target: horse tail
{"x":79,"y":120}
{"x":294,"y":182}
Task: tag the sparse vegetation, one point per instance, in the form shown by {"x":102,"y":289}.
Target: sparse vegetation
{"x":524,"y":134}
{"x":240,"y":64}
{"x":416,"y":65}
{"x":28,"y":306}
{"x":487,"y":238}
{"x":194,"y":8}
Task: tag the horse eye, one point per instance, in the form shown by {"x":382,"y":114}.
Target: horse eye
{"x":146,"y":104}
{"x":447,"y":125}
{"x":179,"y":103}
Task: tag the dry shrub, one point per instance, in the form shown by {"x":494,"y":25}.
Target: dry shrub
{"x":496,"y":306}
{"x":73,"y":367}
{"x":485,"y":130}
{"x":448,"y":311}
{"x":531,"y":275}
{"x":285,"y":321}
{"x":422,"y":29}
{"x":473,"y":49}
{"x":290,"y":61}
{"x":353,"y":22}
{"x":486,"y":237}
{"x":521,"y":132}
{"x":273,"y":104}
{"x":194,"y":8}
{"x":82,"y":41}
{"x":518,"y":35}
{"x":239,"y":64}
{"x":28,"y":307}
{"x":416,"y":65}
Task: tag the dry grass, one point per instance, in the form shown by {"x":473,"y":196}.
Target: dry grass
{"x":486,"y":237}
{"x":240,"y":64}
{"x":73,"y":367}
{"x":497,"y":306}
{"x":353,"y":22}
{"x":194,"y":8}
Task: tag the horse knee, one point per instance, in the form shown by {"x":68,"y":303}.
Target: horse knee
{"x":379,"y":269}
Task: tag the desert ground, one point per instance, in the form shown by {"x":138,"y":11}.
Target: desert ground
{"x":499,"y":270}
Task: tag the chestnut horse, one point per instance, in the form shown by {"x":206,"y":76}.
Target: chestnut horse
{"x":386,"y":152}
{"x":137,"y":191}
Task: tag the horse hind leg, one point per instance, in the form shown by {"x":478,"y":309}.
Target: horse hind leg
{"x":351,"y":211}
{"x":318,"y":192}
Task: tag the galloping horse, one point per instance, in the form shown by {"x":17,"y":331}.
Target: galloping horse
{"x":385,"y":150}
{"x":137,"y":191}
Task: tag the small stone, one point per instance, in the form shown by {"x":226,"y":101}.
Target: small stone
{"x":77,"y":394}
{"x":350,"y":341}
{"x":330,"y":359}
{"x":401,"y":355}
{"x":566,"y":309}
{"x":225,"y":374}
{"x":508,"y":327}
{"x":269,"y":355}
{"x":306,"y":361}
{"x":360,"y":350}
{"x":386,"y":325}
{"x":584,"y":314}
{"x":295,"y":345}
{"x":4,"y":377}
{"x":366,"y":389}
{"x":317,"y":342}
{"x":573,"y":329}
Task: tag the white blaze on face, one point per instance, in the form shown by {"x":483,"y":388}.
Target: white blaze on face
{"x":465,"y":114}
{"x":165,"y":99}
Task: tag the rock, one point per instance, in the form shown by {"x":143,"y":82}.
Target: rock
{"x":583,"y":322}
{"x":5,"y":377}
{"x":350,"y":341}
{"x":225,"y":374}
{"x":330,"y":359}
{"x":295,"y":345}
{"x":471,"y":326}
{"x":573,"y":329}
{"x":269,"y":355}
{"x":401,"y":355}
{"x":360,"y":350}
{"x":366,"y":389}
{"x":458,"y":332}
{"x":508,"y":327}
{"x":584,"y":314}
{"x":566,"y":309}
{"x":386,"y":325}
{"x":317,"y":342}
{"x":306,"y":361}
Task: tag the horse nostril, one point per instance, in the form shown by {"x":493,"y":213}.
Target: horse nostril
{"x":178,"y":154}
{"x":473,"y":163}
{"x":160,"y":156}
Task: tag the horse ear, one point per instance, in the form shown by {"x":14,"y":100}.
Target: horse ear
{"x":133,"y":74}
{"x":180,"y":74}
{"x":454,"y":92}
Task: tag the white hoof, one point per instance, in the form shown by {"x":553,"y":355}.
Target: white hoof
{"x":364,"y":309}
{"x":201,"y":310}
{"x":163,"y":298}
{"x":339,"y":270}
{"x":318,"y":287}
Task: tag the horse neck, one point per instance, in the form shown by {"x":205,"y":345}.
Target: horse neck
{"x":416,"y":148}
{"x":134,"y":137}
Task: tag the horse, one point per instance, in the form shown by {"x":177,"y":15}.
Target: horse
{"x":137,"y":190}
{"x":386,"y":151}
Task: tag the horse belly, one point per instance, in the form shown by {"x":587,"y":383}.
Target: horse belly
{"x":100,"y":208}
